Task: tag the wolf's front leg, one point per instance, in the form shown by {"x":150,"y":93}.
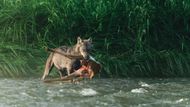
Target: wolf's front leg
{"x":69,"y":70}
{"x":62,"y":72}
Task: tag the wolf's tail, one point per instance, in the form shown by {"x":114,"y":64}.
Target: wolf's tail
{"x":64,"y":54}
{"x":49,"y":49}
{"x":48,"y":66}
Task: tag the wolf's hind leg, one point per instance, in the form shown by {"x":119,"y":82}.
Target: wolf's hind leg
{"x":48,"y":67}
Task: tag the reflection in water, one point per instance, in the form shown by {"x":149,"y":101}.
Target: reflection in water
{"x":98,"y":92}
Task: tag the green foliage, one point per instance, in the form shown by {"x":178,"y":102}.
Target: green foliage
{"x":140,"y":38}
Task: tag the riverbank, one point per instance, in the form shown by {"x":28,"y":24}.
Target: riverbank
{"x":131,"y":38}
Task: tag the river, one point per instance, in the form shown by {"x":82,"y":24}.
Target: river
{"x":95,"y":93}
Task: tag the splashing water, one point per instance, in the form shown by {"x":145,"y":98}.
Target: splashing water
{"x":88,"y":92}
{"x":139,"y":90}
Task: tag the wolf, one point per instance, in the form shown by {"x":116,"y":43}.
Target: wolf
{"x":87,"y":70}
{"x":61,"y":60}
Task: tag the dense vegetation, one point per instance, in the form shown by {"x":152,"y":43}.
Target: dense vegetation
{"x":132,"y":38}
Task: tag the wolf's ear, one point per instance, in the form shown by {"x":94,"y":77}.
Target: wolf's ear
{"x":90,"y":40}
{"x":79,"y":40}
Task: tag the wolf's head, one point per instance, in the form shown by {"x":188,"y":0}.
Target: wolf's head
{"x":84,"y":47}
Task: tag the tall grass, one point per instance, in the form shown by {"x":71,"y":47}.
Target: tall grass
{"x":17,"y":61}
{"x":141,"y":38}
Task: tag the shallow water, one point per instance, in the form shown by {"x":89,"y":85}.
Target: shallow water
{"x":96,"y":93}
